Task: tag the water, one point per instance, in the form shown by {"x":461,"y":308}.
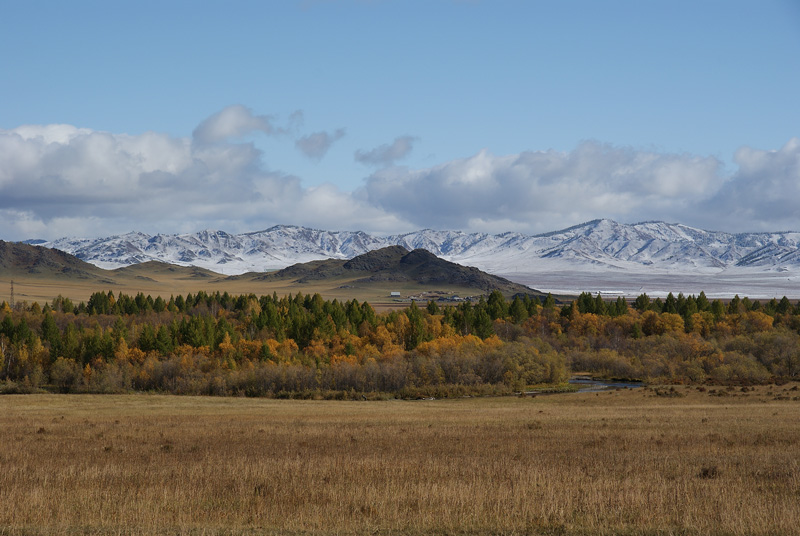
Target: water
{"x":587,"y":384}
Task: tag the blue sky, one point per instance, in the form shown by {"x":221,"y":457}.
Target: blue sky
{"x":389,"y":116}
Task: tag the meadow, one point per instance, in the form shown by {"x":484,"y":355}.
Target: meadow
{"x":171,"y":280}
{"x":672,"y":460}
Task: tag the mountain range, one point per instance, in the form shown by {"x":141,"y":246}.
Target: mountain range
{"x":601,"y":254}
{"x":598,"y":242}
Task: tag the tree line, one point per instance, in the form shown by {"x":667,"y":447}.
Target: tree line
{"x":303,"y":345}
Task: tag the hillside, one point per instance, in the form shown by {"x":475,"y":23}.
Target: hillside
{"x":41,"y":274}
{"x":155,"y":269}
{"x":18,"y":260}
{"x":395,"y":264}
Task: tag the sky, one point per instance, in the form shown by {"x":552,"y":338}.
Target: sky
{"x":389,"y":116}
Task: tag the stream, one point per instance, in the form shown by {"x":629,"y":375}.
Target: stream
{"x":587,"y":384}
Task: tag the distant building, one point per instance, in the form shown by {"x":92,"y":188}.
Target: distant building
{"x":394,"y":294}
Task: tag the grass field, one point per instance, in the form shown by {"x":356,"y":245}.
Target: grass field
{"x":43,"y":289}
{"x":624,"y":462}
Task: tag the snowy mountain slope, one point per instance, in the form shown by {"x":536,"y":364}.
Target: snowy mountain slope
{"x":592,"y":246}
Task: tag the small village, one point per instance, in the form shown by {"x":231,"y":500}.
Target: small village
{"x":431,"y":295}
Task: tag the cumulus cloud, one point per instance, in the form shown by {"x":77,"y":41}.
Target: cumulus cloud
{"x":387,"y":154}
{"x":763,"y":194}
{"x":546,"y":189}
{"x":315,"y":146}
{"x":59,"y":180}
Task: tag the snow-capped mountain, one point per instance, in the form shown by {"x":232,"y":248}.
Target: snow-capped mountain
{"x":602,"y":244}
{"x":274,"y":248}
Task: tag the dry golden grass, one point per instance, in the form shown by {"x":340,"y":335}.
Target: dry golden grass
{"x":43,"y":289}
{"x":623,"y":462}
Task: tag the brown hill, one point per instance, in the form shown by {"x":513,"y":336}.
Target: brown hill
{"x":23,"y":260}
{"x":396,"y":264}
{"x":155,"y":269}
{"x":17,"y":259}
{"x":40,"y":274}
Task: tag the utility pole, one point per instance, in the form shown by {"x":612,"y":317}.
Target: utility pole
{"x":12,"y":294}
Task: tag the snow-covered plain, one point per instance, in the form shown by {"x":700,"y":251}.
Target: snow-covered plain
{"x":755,"y":284}
{"x":598,"y":256}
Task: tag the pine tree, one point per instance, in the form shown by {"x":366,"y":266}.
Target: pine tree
{"x":621,"y":306}
{"x":518,"y":310}
{"x":703,"y":303}
{"x":600,"y":305}
{"x":670,"y":304}
{"x":642,"y":303}
{"x":496,"y":305}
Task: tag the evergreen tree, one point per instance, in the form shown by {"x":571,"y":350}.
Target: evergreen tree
{"x":585,"y":303}
{"x":159,"y":305}
{"x":464,"y":318}
{"x":21,"y":332}
{"x":482,"y":326}
{"x":164,"y":343}
{"x":518,"y":310}
{"x":7,"y":327}
{"x":51,"y":335}
{"x":689,"y":308}
{"x":147,"y":338}
{"x":532,"y":304}
{"x":369,"y":314}
{"x":620,"y":306}
{"x":784,"y":306}
{"x":99,"y":303}
{"x":600,"y":305}
{"x":496,"y":306}
{"x":717,"y":309}
{"x":703,"y":303}
{"x":642,"y":303}
{"x":680,"y":303}
{"x":670,"y":304}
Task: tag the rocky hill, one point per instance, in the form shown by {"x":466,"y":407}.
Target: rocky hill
{"x":398,"y":265}
{"x":18,"y":259}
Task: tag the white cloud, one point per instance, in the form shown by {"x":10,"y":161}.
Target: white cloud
{"x":763,"y":194}
{"x":58,"y":180}
{"x":543,"y":190}
{"x":387,"y":154}
{"x":315,"y":146}
{"x":21,"y":224}
{"x":237,"y":121}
